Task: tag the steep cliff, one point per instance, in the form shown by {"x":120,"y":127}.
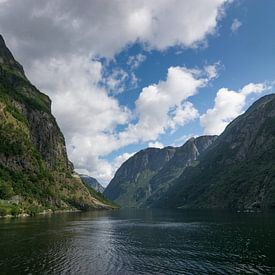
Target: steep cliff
{"x":130,"y":185}
{"x":238,"y":171}
{"x":34,"y":167}
{"x":92,"y":182}
{"x":149,"y":173}
{"x":185,"y":156}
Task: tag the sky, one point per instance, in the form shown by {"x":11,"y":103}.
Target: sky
{"x":124,"y":75}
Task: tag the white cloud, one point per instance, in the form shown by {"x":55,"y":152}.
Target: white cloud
{"x":212,"y":70}
{"x":236,"y":24}
{"x":134,"y":61}
{"x":79,"y":104}
{"x":164,"y":105}
{"x":253,"y":88}
{"x":228,"y":105}
{"x":101,"y":27}
{"x":89,"y":117}
{"x":115,"y":81}
{"x":58,"y":43}
{"x":155,"y":144}
{"x":104,"y":170}
{"x":183,"y":114}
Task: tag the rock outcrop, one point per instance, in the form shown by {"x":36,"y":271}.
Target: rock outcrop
{"x":149,"y":172}
{"x":92,"y":182}
{"x":33,"y":157}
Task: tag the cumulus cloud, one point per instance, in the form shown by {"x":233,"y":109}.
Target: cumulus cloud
{"x":134,"y":61}
{"x":89,"y":117}
{"x":228,"y":105}
{"x":212,"y":70}
{"x":159,"y":108}
{"x":59,"y":43}
{"x":183,"y":114}
{"x":236,"y":24}
{"x":103,"y":27}
{"x":105,"y":170}
{"x":114,"y":81}
{"x":164,"y":105}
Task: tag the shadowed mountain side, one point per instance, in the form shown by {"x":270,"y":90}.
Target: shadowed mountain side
{"x":238,"y":171}
{"x":153,"y":169}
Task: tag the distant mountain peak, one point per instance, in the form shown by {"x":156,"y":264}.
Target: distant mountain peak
{"x":149,"y":169}
{"x":92,"y":182}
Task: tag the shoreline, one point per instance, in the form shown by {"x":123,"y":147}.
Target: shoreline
{"x":51,"y":212}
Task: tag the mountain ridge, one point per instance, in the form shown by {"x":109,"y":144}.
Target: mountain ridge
{"x":93,"y":182}
{"x":34,"y":166}
{"x":137,"y":178}
{"x":233,"y":170}
{"x":238,"y":171}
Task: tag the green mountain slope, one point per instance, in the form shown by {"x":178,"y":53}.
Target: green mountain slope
{"x":148,"y":174}
{"x":238,"y":171}
{"x":35,"y":173}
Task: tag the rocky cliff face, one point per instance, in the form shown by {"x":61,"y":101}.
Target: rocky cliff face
{"x":185,"y":156}
{"x":130,"y":185}
{"x":92,"y":182}
{"x":238,"y":171}
{"x":150,"y":171}
{"x":33,"y":157}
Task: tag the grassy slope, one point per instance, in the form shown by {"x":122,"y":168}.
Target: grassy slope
{"x":23,"y":171}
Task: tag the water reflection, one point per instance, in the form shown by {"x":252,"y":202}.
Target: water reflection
{"x":139,"y":242}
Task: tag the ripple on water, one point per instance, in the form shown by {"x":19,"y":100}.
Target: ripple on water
{"x":107,"y":244}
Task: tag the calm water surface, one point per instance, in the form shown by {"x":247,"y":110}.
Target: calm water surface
{"x":139,"y":242}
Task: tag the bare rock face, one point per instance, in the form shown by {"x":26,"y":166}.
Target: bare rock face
{"x":138,"y":179}
{"x":129,"y":187}
{"x":48,"y":139}
{"x":185,"y":156}
{"x":33,"y":157}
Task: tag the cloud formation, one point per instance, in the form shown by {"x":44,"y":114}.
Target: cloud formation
{"x":164,"y":106}
{"x":55,"y":28}
{"x":236,"y":24}
{"x":59,"y":43}
{"x":155,"y":144}
{"x":228,"y":105}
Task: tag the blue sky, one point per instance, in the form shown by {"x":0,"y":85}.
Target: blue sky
{"x":244,"y":56}
{"x":126,"y":75}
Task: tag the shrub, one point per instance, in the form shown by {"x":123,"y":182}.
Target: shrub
{"x":6,"y":190}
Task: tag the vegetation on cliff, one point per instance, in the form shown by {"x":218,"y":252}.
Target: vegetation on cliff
{"x":35,"y":173}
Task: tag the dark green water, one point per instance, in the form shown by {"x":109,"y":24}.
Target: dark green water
{"x":139,"y":242}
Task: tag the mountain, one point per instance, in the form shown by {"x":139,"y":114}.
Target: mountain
{"x":238,"y":171}
{"x":130,"y":184}
{"x":150,"y":172}
{"x":92,"y":182}
{"x":35,"y":173}
{"x":185,"y":156}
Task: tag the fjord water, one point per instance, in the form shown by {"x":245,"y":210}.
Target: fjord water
{"x":139,"y":242}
